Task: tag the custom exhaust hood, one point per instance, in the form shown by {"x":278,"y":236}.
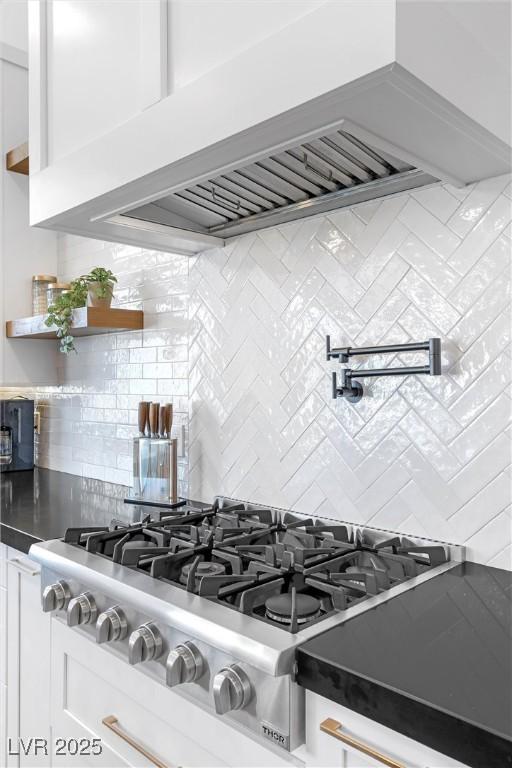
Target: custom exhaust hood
{"x":270,"y":126}
{"x":331,"y":171}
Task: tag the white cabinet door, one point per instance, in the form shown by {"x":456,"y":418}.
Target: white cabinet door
{"x":105,"y":62}
{"x":28,"y":655}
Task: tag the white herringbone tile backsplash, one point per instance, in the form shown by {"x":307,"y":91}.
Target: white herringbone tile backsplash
{"x":427,"y":456}
{"x":236,"y":339}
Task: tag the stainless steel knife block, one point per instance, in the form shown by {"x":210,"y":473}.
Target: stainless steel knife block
{"x":155,"y":468}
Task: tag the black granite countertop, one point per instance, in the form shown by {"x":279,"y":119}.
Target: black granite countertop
{"x":434,"y":663}
{"x":40,"y":505}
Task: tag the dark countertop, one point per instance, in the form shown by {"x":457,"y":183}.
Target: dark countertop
{"x":434,"y":663}
{"x":40,"y":505}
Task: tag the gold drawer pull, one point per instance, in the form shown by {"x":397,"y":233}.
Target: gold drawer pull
{"x":112,"y":722}
{"x":333,"y":728}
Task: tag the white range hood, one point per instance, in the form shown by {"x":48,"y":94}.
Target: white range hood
{"x":345,"y":102}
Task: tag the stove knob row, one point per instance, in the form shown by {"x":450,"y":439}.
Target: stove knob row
{"x":55,"y":597}
{"x":111,"y":625}
{"x":145,"y":644}
{"x":81,"y":610}
{"x":231,"y":689}
{"x":184,"y":664}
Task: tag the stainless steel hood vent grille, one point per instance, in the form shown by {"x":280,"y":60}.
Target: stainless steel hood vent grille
{"x":329,"y":172}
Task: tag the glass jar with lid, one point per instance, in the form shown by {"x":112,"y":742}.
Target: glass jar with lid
{"x":55,"y":290}
{"x":40,"y":285}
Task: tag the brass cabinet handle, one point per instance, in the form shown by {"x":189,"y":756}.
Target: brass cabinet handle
{"x":333,"y":728}
{"x":112,"y":722}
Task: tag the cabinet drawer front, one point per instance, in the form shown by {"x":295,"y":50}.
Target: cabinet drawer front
{"x":381,"y":742}
{"x":91,"y":683}
{"x":89,"y":695}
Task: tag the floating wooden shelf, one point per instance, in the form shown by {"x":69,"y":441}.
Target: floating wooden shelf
{"x":17,"y":159}
{"x":87,"y":321}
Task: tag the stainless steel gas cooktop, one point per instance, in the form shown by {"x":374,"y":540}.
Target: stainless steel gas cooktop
{"x":285,"y":570}
{"x":214,"y":599}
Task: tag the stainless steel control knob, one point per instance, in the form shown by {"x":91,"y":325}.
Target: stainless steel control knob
{"x":185,"y":664}
{"x":111,"y":625}
{"x":81,"y":610}
{"x":232,"y":689}
{"x":145,"y":644}
{"x":55,"y":597}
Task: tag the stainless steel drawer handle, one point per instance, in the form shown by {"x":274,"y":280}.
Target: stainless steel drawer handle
{"x":333,"y":728}
{"x":111,"y":722}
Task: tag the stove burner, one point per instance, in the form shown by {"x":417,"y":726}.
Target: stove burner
{"x":280,"y":608}
{"x":274,"y":566}
{"x":203,"y":569}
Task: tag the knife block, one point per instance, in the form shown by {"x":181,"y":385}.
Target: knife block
{"x":155,"y":469}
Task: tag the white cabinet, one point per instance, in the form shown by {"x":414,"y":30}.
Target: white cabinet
{"x":104,"y":67}
{"x":27,"y":691}
{"x":132,"y":100}
{"x":368,"y":745}
{"x":24,"y":251}
{"x":92,"y":686}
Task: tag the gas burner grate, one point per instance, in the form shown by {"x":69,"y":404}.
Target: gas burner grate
{"x":283,"y":569}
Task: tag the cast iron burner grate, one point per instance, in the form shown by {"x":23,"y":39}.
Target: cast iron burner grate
{"x":288,"y":571}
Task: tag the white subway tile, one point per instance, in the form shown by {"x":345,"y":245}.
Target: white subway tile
{"x":476,"y":203}
{"x":482,"y":235}
{"x":431,"y":266}
{"x":428,"y":228}
{"x":428,"y":301}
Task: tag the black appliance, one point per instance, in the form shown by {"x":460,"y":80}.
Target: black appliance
{"x":16,"y":435}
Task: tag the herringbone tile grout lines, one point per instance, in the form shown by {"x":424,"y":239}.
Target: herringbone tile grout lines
{"x":426,"y":456}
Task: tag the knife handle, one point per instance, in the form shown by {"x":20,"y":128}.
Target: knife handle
{"x":154,"y":412}
{"x":143,"y":417}
{"x":168,"y":419}
{"x":163,"y":420}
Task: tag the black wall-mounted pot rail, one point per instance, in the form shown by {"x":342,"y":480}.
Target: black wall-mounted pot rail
{"x":353,"y":390}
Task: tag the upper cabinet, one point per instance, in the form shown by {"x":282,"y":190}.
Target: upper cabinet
{"x":178,"y":124}
{"x":24,"y":251}
{"x":105,"y":63}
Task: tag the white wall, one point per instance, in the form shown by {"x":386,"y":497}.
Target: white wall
{"x":237,"y":335}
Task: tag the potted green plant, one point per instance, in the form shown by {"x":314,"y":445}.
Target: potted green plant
{"x":100,"y":287}
{"x":94,"y":289}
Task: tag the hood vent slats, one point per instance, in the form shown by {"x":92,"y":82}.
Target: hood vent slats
{"x":329,"y":172}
